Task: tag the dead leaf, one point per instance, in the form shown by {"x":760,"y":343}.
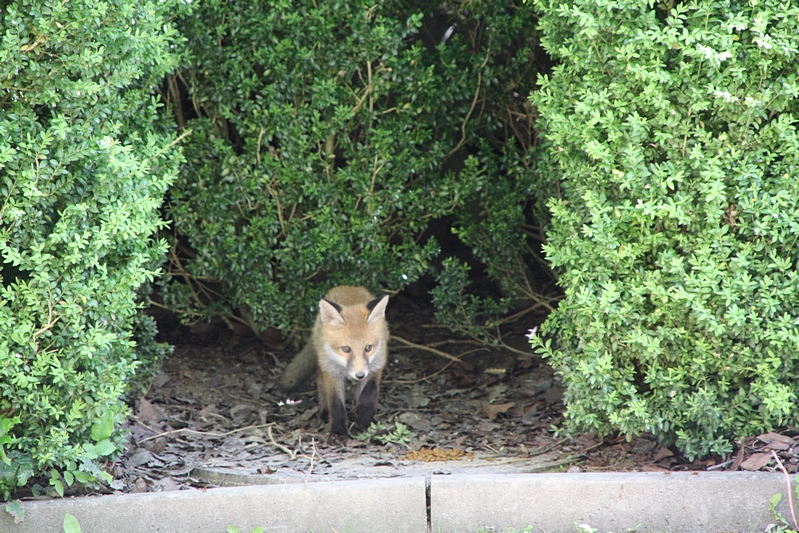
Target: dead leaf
{"x":139,"y":486}
{"x":308,"y":413}
{"x":662,"y":453}
{"x":140,"y":457}
{"x":492,"y":410}
{"x":653,"y":468}
{"x":149,"y":413}
{"x":523,"y":451}
{"x":418,"y":402}
{"x":155,"y":446}
{"x":756,"y":461}
{"x":240,"y":413}
{"x":739,"y":456}
{"x":415,"y":421}
{"x":770,"y":437}
{"x":777,"y":445}
{"x":166,"y":484}
{"x":487,"y":427}
{"x":207,"y":411}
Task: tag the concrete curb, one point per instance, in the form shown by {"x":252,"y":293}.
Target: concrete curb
{"x":678,"y":502}
{"x":704,"y":502}
{"x":344,"y":506}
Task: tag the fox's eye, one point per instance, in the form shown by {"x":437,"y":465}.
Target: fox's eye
{"x":368,"y":348}
{"x":345,"y":349}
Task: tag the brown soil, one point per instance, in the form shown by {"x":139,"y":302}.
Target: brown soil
{"x":214,"y":416}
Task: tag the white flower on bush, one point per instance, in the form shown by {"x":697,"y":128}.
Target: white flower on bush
{"x":752,"y":102}
{"x":726,"y":96}
{"x":764,"y":42}
{"x":713,"y":55}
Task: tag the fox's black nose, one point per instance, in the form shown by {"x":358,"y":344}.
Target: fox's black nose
{"x":360,"y":375}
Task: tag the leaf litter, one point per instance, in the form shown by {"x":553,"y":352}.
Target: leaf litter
{"x":214,"y":416}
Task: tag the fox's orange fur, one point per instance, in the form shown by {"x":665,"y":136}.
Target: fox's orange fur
{"x":349,"y":343}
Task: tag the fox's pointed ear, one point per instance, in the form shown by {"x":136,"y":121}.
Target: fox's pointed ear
{"x":330,"y":312}
{"x":377,"y":309}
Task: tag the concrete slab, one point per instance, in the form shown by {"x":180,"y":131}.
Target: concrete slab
{"x":396,"y":505}
{"x":706,"y":502}
{"x":651,"y":502}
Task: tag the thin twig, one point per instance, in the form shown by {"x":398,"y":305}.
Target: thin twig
{"x":788,"y":482}
{"x":720,"y":465}
{"x":471,"y":108}
{"x":206,"y":433}
{"x":549,"y":447}
{"x":525,"y":353}
{"x":173,"y":143}
{"x":491,"y":448}
{"x":313,"y":454}
{"x":258,"y":148}
{"x":291,"y":454}
{"x":426,"y":378}
{"x":427,"y":348}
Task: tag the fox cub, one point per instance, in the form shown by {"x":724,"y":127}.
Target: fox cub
{"x":349,"y":342}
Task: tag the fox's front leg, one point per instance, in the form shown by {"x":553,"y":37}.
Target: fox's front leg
{"x":331,"y":395}
{"x":367,"y":399}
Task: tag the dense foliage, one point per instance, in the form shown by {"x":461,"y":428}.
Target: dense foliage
{"x":325,"y":137}
{"x":82,"y":174}
{"x":672,"y":129}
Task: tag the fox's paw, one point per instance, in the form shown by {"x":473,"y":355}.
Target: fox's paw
{"x":365,"y":416}
{"x":338,"y":439}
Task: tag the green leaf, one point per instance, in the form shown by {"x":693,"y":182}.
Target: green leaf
{"x":82,"y":477}
{"x":15,"y":509}
{"x":675,"y":161}
{"x":103,"y":427}
{"x":71,"y":524}
{"x":775,"y":500}
{"x":105,"y":447}
{"x":58,"y":485}
{"x":233,"y":529}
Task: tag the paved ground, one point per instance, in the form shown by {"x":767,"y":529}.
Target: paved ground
{"x":704,"y":502}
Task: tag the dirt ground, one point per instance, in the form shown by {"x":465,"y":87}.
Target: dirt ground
{"x":214,"y":416}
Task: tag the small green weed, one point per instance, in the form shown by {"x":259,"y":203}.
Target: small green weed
{"x":528,"y":529}
{"x":580,"y":528}
{"x":71,"y":525}
{"x":777,"y":498}
{"x":379,"y":432}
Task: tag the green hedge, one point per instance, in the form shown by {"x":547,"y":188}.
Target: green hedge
{"x":327,"y":136}
{"x":672,"y":130}
{"x":83,"y":172}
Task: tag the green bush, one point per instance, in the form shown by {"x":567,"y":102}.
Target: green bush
{"x":83,"y":172}
{"x":326,"y":137}
{"x":672,"y":131}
